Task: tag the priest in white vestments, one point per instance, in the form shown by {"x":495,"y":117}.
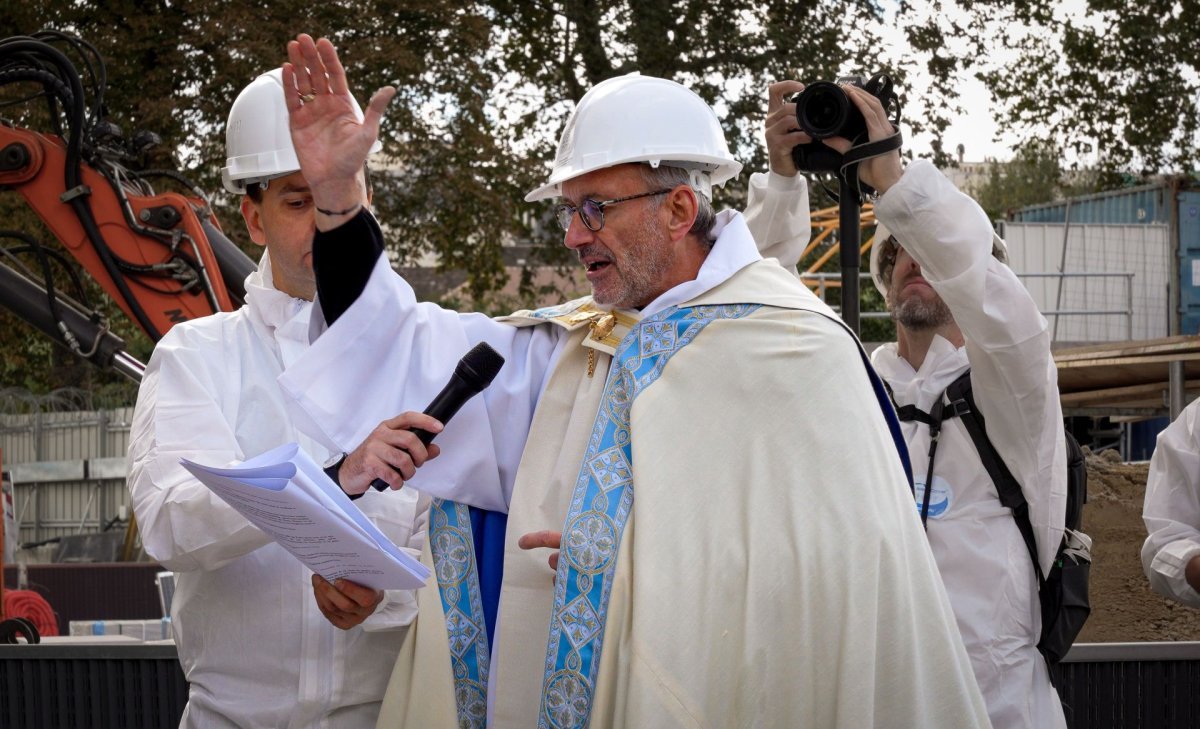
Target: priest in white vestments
{"x":738,"y":542}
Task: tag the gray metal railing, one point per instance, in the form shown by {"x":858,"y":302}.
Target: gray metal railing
{"x":1127,"y":312}
{"x":823,"y":288}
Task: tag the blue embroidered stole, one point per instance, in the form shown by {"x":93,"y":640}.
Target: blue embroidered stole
{"x":452,"y":545}
{"x":599,"y":509}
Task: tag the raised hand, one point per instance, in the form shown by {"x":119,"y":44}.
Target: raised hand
{"x":879,"y":172}
{"x":331,"y":142}
{"x":780,"y":127}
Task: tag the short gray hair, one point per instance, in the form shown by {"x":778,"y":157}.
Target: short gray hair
{"x":662,"y":177}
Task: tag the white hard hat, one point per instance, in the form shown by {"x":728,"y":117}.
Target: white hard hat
{"x":258,"y":143}
{"x":999,"y":252}
{"x":637,"y":118}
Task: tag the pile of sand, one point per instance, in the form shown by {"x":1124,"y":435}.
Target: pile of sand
{"x":1123,"y":607}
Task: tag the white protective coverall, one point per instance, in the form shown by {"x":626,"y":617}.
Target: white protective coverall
{"x":1172,"y":508}
{"x":254,"y":647}
{"x":747,"y":605}
{"x":979,"y":551}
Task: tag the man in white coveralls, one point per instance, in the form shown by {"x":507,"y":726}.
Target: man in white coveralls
{"x":957,"y":306}
{"x":256,"y":648}
{"x":1171,"y":554}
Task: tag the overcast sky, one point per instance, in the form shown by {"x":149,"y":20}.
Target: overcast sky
{"x":975,"y":131}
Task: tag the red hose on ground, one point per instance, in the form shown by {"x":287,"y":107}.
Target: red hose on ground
{"x":28,"y":604}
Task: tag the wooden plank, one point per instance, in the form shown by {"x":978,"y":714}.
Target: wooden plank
{"x":1118,"y":393}
{"x":1114,"y":413}
{"x":1142,"y":401}
{"x":1074,"y":379}
{"x":1166,"y":345}
{"x":1131,"y":360}
{"x":1141,"y":343}
{"x":1112,"y":393}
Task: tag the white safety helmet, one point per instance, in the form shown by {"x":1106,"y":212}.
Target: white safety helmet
{"x":637,"y":118}
{"x":258,"y":143}
{"x":999,"y":252}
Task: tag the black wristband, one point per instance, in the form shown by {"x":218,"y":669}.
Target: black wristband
{"x":335,"y":213}
{"x":333,"y":472}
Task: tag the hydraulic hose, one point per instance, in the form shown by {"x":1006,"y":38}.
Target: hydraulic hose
{"x":91,"y":339}
{"x":75,"y":190}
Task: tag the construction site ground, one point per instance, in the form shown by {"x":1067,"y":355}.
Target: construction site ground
{"x":1123,"y":607}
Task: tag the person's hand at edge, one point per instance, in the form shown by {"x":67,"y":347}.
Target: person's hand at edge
{"x":345,"y":604}
{"x":1191,"y":573}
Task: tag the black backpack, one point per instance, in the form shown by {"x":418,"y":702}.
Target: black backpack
{"x":1064,"y":592}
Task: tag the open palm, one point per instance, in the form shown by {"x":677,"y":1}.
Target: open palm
{"x":331,"y":141}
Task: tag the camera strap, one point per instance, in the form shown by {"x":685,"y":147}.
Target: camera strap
{"x":872,"y":149}
{"x":861,"y":152}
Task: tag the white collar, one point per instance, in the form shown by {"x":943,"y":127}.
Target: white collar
{"x":269,"y":306}
{"x":894,"y":368}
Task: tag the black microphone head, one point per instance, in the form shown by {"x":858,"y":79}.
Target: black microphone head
{"x":479,"y":366}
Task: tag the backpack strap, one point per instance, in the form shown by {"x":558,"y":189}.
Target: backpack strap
{"x":1009,"y":490}
{"x":1060,"y":622}
{"x":938,"y":414}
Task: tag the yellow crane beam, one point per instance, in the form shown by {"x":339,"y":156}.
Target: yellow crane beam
{"x":825,"y":223}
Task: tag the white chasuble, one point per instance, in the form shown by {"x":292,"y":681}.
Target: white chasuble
{"x":770,"y":570}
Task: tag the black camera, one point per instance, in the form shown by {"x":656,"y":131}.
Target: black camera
{"x":824,"y":110}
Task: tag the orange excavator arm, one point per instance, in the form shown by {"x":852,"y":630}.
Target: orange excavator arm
{"x":160,"y":256}
{"x":184,"y":286}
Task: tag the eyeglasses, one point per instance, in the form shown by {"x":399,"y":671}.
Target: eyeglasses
{"x":591,"y":212}
{"x":887,"y":254}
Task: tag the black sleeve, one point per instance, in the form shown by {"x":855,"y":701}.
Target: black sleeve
{"x":343,"y":259}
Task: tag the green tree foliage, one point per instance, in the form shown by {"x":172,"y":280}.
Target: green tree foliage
{"x":175,"y":68}
{"x":484,"y":90}
{"x":1034,"y":175}
{"x":873,"y":329}
{"x":1118,"y":83}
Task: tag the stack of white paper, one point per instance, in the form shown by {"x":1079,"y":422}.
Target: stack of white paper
{"x":289,"y":497}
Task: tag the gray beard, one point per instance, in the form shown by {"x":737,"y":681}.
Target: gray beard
{"x":645,"y":265}
{"x":916,"y":314}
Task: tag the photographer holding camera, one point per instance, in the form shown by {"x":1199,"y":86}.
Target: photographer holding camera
{"x":957,"y":308}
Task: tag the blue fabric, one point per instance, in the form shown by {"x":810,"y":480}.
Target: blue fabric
{"x":452,"y":546}
{"x":889,"y":414}
{"x":603,"y":500}
{"x":488,"y":528}
{"x":600,"y":506}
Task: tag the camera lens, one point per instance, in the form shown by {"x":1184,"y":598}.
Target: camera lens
{"x":821,"y":110}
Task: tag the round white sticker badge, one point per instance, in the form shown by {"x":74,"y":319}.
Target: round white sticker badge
{"x":939,"y":501}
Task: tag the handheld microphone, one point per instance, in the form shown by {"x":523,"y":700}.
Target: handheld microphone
{"x":474,"y":371}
